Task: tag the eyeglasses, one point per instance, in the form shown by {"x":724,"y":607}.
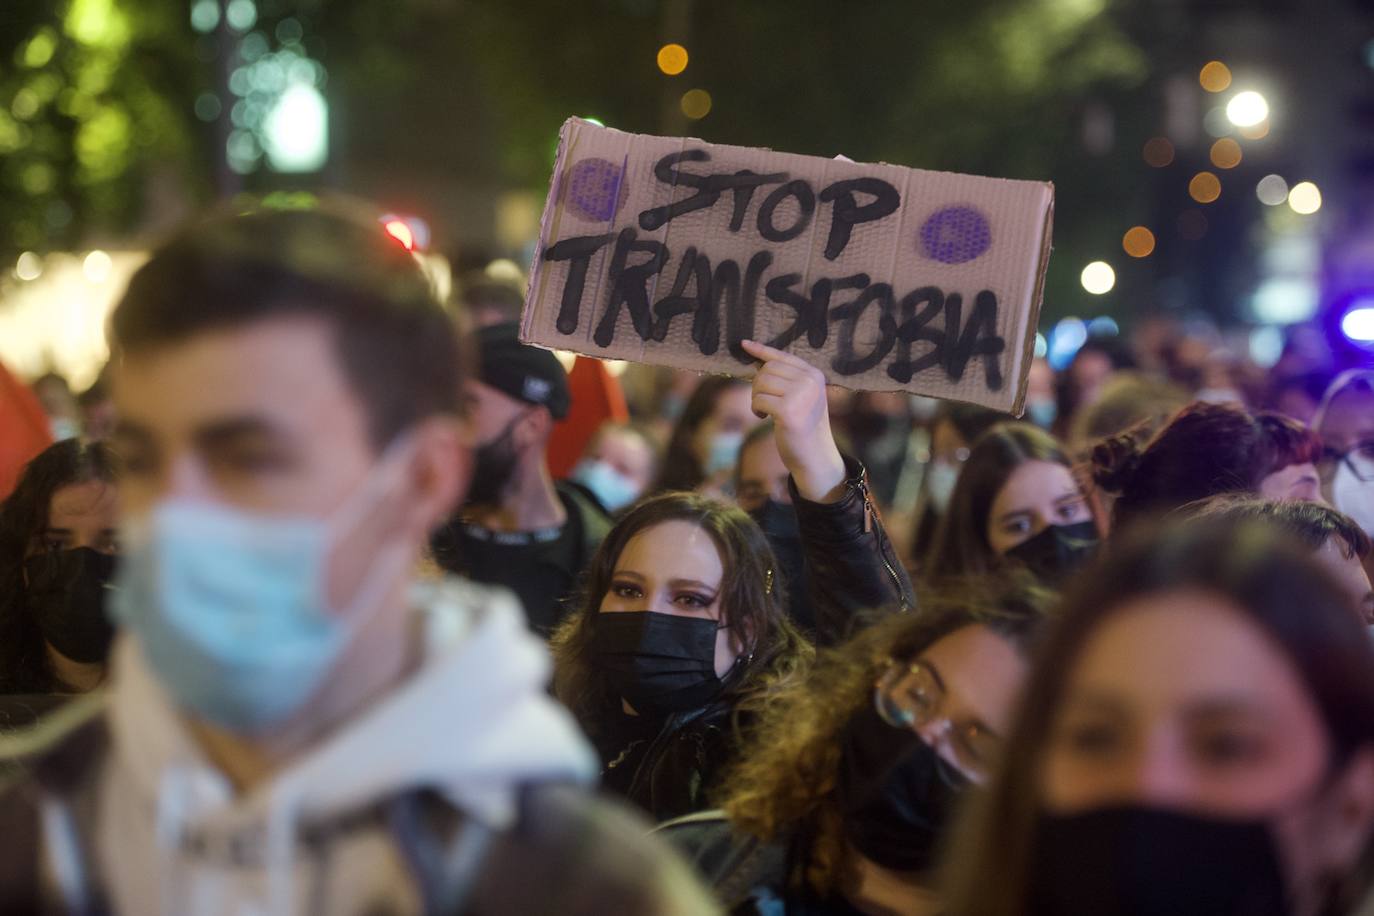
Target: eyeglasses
{"x":911,"y":695}
{"x":1359,"y":459}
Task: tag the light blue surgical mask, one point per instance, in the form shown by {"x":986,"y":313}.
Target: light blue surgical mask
{"x":724,"y":453}
{"x":611,"y":488}
{"x":64,"y":429}
{"x":1042,"y":413}
{"x":231,"y":607}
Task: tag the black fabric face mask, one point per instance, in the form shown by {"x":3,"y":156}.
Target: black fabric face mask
{"x":1058,"y":550}
{"x":778,"y":520}
{"x":896,"y":793}
{"x":867,"y":425}
{"x":1140,"y":861}
{"x":659,"y":663}
{"x":493,"y":465}
{"x":66,"y":597}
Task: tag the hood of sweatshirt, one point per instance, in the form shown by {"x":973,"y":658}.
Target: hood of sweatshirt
{"x":473,"y":723}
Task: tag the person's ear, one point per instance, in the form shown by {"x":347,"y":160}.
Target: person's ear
{"x":533,"y":429}
{"x":439,"y":472}
{"x":1347,"y":814}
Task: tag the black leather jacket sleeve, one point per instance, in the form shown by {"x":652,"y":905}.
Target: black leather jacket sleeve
{"x":851,"y":566}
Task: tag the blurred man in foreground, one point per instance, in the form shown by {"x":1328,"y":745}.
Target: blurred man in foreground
{"x":296,"y":723}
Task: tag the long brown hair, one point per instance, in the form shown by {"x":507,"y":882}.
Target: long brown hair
{"x":784,"y":783}
{"x":752,"y":603}
{"x":1254,"y":568}
{"x":961,"y":545}
{"x":681,"y":469}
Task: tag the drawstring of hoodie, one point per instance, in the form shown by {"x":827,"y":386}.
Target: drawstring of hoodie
{"x":170,"y":821}
{"x":280,"y":844}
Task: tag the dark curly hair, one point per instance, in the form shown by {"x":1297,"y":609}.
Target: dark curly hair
{"x":783,"y":785}
{"x":24,"y":665}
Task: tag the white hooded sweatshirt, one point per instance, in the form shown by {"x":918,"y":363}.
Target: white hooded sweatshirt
{"x":473,"y":723}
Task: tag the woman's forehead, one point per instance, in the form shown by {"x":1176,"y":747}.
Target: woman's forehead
{"x":1183,"y":648}
{"x":79,"y":500}
{"x":675,"y":549}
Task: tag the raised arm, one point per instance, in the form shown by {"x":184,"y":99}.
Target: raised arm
{"x":851,"y":566}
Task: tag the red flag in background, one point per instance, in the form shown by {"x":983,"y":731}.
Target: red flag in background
{"x":24,"y":429}
{"x":596,"y":398}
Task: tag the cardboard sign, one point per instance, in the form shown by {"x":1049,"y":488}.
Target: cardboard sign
{"x":671,"y":251}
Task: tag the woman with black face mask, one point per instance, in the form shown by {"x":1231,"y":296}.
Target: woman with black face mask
{"x":1016,"y":502}
{"x":1196,"y":739}
{"x":681,"y":634}
{"x":842,"y":801}
{"x":684,"y":629}
{"x":57,"y":552}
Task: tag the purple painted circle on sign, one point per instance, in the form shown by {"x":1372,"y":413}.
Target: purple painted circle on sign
{"x":956,"y":235}
{"x":595,"y":189}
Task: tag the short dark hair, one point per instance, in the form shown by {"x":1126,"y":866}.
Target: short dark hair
{"x":396,"y":346}
{"x":477,"y":291}
{"x":1205,"y":450}
{"x":1312,"y":524}
{"x":969,"y":420}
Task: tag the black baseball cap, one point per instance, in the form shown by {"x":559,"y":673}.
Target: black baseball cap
{"x":526,"y":373}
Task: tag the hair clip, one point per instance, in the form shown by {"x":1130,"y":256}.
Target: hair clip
{"x":768,"y":582}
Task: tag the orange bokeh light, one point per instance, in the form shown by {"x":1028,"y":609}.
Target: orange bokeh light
{"x":1215,"y":76}
{"x":1139,"y":242}
{"x":672,"y":59}
{"x":1226,"y":153}
{"x":1204,"y":188}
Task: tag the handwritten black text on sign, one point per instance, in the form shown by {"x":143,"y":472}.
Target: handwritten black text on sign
{"x":907,"y":320}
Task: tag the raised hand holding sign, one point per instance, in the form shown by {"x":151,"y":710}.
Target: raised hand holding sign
{"x":791,"y":392}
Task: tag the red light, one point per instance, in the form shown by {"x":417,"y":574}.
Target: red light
{"x":398,"y":230}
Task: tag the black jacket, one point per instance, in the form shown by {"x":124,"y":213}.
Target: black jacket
{"x":851,"y":568}
{"x":669,"y":770}
{"x":749,"y":877}
{"x":852,"y":572}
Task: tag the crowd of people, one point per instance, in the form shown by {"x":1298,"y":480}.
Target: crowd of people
{"x":296,"y":615}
